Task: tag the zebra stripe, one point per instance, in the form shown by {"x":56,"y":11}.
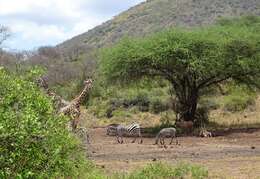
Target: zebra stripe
{"x":133,"y":127}
{"x":121,"y":130}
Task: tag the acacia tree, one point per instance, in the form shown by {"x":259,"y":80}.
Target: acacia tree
{"x":191,"y":60}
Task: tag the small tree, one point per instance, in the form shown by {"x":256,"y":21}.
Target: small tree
{"x":4,"y":34}
{"x":191,"y":60}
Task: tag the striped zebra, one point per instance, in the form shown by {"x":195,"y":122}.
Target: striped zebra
{"x":166,"y":132}
{"x":111,"y":129}
{"x":132,"y":129}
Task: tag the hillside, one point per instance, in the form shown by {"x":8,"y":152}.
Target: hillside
{"x":155,"y":15}
{"x":75,"y":59}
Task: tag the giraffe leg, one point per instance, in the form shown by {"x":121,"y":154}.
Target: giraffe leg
{"x":74,"y":120}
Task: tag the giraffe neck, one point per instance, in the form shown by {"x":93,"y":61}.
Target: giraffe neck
{"x":78,"y":100}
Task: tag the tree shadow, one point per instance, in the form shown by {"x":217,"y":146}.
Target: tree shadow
{"x":224,"y":130}
{"x":216,"y":129}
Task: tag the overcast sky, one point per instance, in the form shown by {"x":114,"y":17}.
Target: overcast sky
{"x":35,"y":23}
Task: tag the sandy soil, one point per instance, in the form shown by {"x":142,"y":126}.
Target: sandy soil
{"x":233,"y":154}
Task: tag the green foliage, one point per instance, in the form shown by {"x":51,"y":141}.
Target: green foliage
{"x":209,"y":104}
{"x":160,"y":170}
{"x":191,"y":60}
{"x":205,"y":52}
{"x":239,"y":21}
{"x":157,"y":106}
{"x":34,"y":142}
{"x":167,"y":120}
{"x":108,"y":101}
{"x":239,"y":98}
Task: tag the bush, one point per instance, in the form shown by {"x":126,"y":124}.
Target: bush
{"x":209,"y":104}
{"x":34,"y":142}
{"x":235,"y":103}
{"x":239,"y":98}
{"x":167,"y":120}
{"x":158,"y":106}
{"x":159,"y":170}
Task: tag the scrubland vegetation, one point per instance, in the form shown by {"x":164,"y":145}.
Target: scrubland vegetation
{"x":200,"y":69}
{"x":34,"y":142}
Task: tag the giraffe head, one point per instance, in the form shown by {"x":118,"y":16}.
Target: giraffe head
{"x":88,"y":82}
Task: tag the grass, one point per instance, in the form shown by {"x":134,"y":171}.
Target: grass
{"x":157,"y":170}
{"x":165,"y":171}
{"x":239,"y":107}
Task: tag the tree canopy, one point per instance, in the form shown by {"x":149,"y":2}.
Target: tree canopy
{"x":190,"y":59}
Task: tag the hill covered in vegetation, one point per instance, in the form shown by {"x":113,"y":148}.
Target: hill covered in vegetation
{"x":71,"y":61}
{"x":156,"y":15}
{"x":79,"y":53}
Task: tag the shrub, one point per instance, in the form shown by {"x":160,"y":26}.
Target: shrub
{"x":160,"y":170}
{"x":34,"y":142}
{"x":239,"y":98}
{"x":157,"y":106}
{"x":167,"y":120}
{"x":209,"y":104}
{"x":236,"y":103}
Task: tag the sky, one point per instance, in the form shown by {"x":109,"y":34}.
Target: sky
{"x":35,"y":23}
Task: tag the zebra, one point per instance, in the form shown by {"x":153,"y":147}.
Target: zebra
{"x":130,"y":129}
{"x":165,"y":132}
{"x":111,"y":129}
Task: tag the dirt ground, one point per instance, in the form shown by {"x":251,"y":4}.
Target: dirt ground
{"x":233,"y":154}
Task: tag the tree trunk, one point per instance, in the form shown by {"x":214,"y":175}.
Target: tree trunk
{"x":186,"y":105}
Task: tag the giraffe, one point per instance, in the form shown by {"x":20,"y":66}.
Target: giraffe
{"x":73,"y":108}
{"x":58,"y":101}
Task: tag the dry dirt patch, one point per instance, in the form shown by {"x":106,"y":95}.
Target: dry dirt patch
{"x":236,"y":155}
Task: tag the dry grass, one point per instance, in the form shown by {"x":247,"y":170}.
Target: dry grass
{"x":219,"y":119}
{"x":249,"y":118}
{"x":231,"y":168}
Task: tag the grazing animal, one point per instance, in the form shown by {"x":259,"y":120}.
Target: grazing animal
{"x":166,"y":132}
{"x":131,"y":129}
{"x":73,"y":108}
{"x":111,"y":129}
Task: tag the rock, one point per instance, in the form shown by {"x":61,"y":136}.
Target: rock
{"x":252,"y":147}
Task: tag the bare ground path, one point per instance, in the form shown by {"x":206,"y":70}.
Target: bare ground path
{"x":236,"y":155}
